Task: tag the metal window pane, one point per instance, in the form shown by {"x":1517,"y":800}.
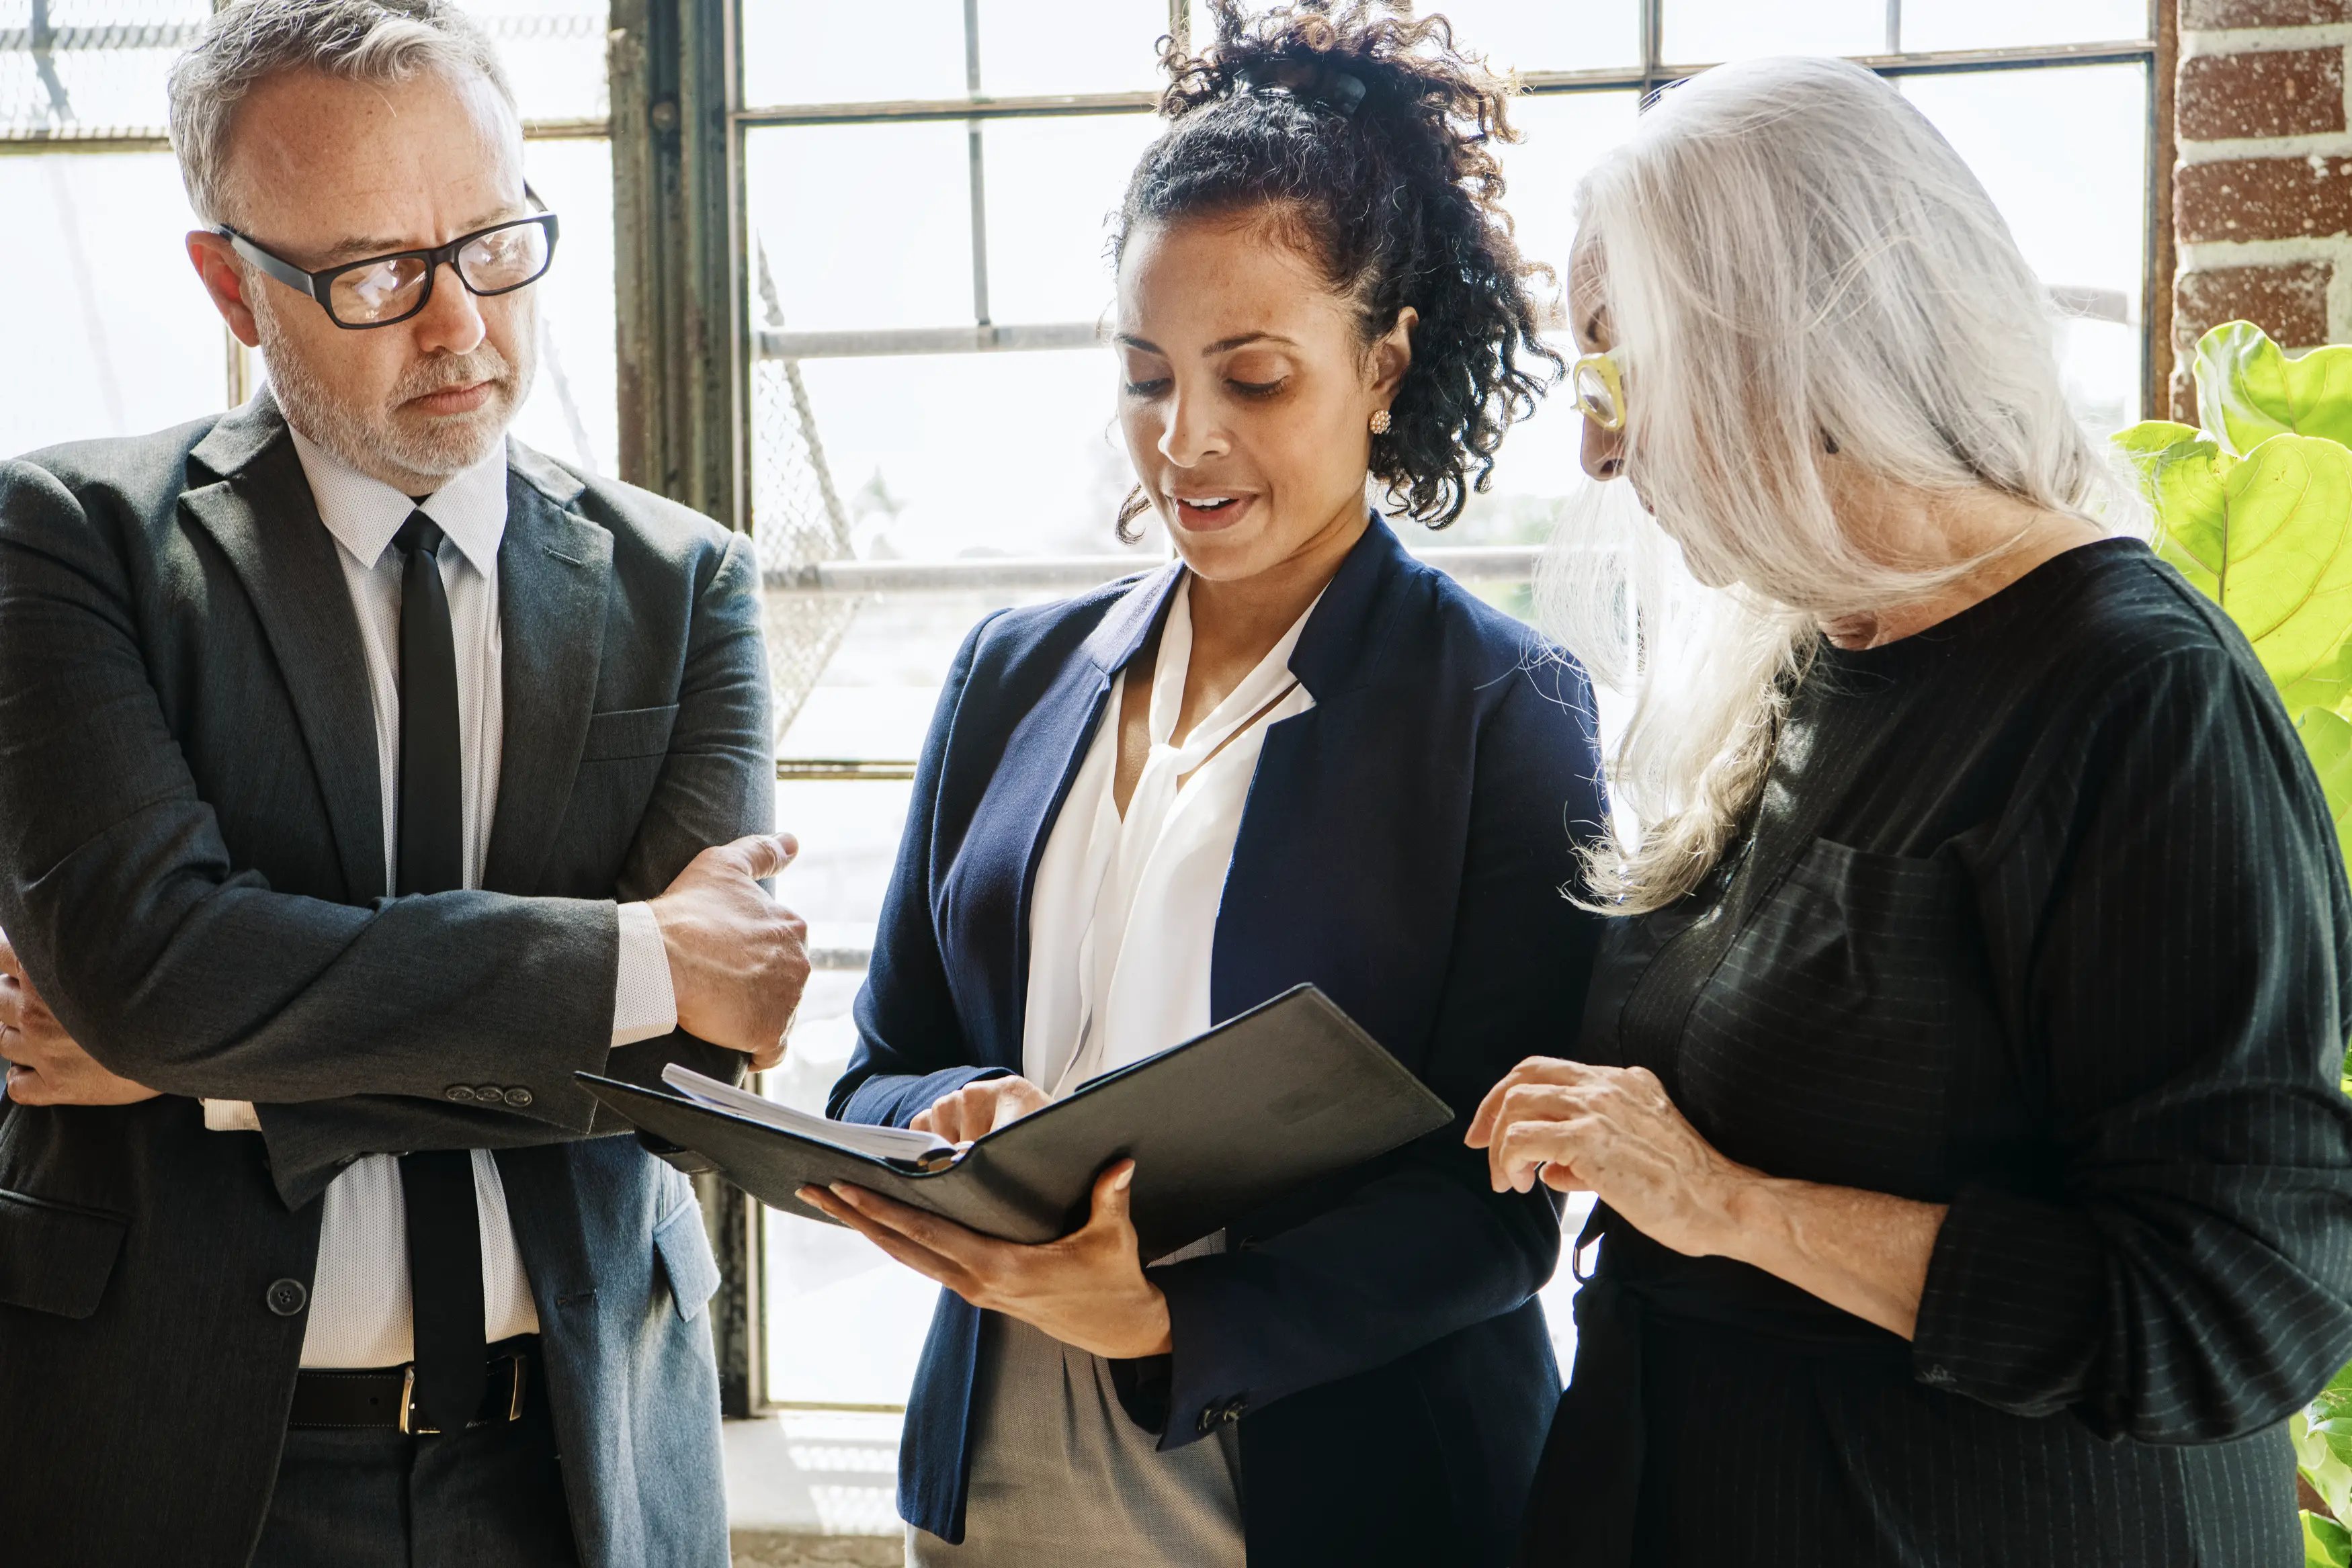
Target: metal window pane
{"x":1052,"y":186}
{"x":921,"y":458}
{"x":107,"y":305}
{"x":574,"y":412}
{"x":88,"y":68}
{"x":1536,"y":468}
{"x":940,"y":457}
{"x":1588,"y":34}
{"x":1994,"y":24}
{"x":821,"y":51}
{"x":864,"y":225}
{"x":827,"y":1287}
{"x":1698,"y":32}
{"x":554,"y":52}
{"x":1039,"y":47}
{"x":2063,"y":153}
{"x":1560,"y":138}
{"x":80,"y":67}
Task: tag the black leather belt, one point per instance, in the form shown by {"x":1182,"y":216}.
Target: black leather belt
{"x":382,"y":1397}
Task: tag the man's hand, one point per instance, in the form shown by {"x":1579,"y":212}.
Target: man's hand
{"x":738,"y":960}
{"x":46,"y":1067}
{"x":976,"y":1110}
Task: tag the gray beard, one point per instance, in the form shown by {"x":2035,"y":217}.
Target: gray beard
{"x":368,"y":440}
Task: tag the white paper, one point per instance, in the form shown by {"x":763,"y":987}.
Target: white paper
{"x":858,"y":1137}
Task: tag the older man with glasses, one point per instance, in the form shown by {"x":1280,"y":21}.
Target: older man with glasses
{"x":360,"y":771}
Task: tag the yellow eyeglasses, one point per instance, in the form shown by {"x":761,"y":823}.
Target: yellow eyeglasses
{"x":1597,"y":383}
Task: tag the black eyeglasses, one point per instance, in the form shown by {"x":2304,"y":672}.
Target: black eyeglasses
{"x":385,"y":289}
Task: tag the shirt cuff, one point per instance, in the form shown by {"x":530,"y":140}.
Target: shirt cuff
{"x":230,"y":1116}
{"x":644,"y":1005}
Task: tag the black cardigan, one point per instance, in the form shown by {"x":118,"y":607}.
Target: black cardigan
{"x":2072,"y":956}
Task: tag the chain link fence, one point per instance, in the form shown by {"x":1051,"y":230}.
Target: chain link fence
{"x":797,"y":520}
{"x":76,"y":70}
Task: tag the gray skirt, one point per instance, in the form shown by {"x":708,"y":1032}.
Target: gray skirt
{"x":1062,"y":1479}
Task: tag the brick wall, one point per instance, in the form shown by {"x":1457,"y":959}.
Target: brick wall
{"x":2262,"y":196}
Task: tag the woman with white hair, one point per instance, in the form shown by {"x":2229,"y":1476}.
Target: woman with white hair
{"x":1959,"y":1083}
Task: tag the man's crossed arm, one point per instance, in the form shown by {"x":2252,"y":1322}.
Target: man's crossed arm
{"x":738,"y":961}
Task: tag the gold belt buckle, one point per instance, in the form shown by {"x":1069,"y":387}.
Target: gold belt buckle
{"x":408,"y":1426}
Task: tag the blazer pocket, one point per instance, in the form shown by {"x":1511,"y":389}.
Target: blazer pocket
{"x":629,"y":732}
{"x":54,"y":1258}
{"x":686,"y":1259}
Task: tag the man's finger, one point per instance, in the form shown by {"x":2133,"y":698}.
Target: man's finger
{"x":10,"y":965}
{"x":765,"y":855}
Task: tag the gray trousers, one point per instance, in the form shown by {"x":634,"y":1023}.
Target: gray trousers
{"x":487,"y":1496}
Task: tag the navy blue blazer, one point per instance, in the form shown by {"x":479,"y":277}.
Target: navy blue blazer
{"x":1404,"y":847}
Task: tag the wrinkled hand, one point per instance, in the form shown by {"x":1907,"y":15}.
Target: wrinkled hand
{"x":976,"y":1110}
{"x":738,"y":960}
{"x":1086,"y":1290}
{"x":47,"y":1066}
{"x":1610,"y":1131}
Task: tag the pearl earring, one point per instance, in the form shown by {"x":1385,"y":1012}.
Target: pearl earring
{"x":1381,"y":421}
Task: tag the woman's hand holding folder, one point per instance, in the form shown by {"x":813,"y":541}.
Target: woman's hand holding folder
{"x":1086,"y":1290}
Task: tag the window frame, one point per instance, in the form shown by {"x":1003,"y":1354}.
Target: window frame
{"x":40,"y":39}
{"x":742,"y":1229}
{"x":687,"y":339}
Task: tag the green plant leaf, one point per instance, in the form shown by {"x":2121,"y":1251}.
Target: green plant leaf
{"x":2183,"y":483}
{"x":2327,"y":737}
{"x":2151,"y":436}
{"x":2325,"y":1544}
{"x":2247,"y":391}
{"x":2269,"y":538}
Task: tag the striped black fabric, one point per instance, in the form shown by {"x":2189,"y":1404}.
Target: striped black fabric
{"x":2074,"y":957}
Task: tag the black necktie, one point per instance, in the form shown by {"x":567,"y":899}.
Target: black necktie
{"x":445,"y":1243}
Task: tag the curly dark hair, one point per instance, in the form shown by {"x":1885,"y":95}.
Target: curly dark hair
{"x":1371,"y":136}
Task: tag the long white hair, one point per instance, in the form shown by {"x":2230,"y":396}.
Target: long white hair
{"x":1794,"y":262}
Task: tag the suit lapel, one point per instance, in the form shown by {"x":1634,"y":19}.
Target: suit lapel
{"x":261,"y":515}
{"x":1261,"y":928}
{"x":555,"y":573}
{"x":1044,"y":753}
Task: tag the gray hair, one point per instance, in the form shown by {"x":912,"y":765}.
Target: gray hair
{"x":1792,"y":257}
{"x":356,"y":40}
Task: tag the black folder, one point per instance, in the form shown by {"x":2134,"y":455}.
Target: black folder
{"x":1228,"y":1121}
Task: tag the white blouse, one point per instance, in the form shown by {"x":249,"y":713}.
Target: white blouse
{"x":1122,"y":920}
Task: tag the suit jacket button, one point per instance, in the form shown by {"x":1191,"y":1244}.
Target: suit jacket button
{"x":1208,"y":1421}
{"x":490,"y":1095}
{"x":458,"y":1092}
{"x":518,"y":1097}
{"x":287,"y":1297}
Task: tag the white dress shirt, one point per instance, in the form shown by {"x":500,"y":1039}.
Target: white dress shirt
{"x":360,"y":1307}
{"x":1123,"y":918}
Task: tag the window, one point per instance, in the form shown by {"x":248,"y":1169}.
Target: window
{"x":911,"y":199}
{"x":923,"y":191}
{"x":127,"y":342}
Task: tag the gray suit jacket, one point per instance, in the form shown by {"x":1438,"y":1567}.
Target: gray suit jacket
{"x":192,"y":866}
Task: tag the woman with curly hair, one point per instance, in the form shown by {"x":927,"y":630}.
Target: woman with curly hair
{"x":1292,"y":755}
